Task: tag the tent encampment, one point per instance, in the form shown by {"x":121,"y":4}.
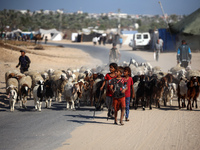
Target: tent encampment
{"x":51,"y":34}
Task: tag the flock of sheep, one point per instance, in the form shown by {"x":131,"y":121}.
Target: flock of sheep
{"x":82,"y":85}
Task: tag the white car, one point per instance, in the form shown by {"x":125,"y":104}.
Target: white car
{"x":140,"y":40}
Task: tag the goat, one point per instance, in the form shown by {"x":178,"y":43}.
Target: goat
{"x":196,"y":85}
{"x":38,"y":94}
{"x":141,"y":91}
{"x":48,"y":93}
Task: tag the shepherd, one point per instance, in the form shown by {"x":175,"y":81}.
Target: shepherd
{"x":24,"y":62}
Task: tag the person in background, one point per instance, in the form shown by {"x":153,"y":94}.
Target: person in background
{"x":184,"y":55}
{"x":114,"y":54}
{"x":24,"y":62}
{"x":108,"y":77}
{"x":120,"y":42}
{"x":130,"y":89}
{"x":161,"y":44}
{"x":46,"y":39}
{"x":118,"y":88}
{"x":95,"y":40}
{"x":157,"y":50}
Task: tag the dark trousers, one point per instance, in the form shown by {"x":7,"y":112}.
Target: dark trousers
{"x":184,"y":64}
{"x":22,"y":70}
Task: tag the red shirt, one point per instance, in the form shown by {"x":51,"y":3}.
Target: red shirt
{"x":108,"y":78}
{"x":129,"y":84}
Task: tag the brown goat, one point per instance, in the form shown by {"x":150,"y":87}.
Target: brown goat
{"x":158,"y":92}
{"x":191,"y":91}
{"x":196,"y":86}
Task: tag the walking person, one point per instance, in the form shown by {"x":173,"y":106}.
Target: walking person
{"x":184,"y":55}
{"x":114,"y":54}
{"x":118,"y":88}
{"x":107,"y":79}
{"x":46,"y":39}
{"x":161,"y":42}
{"x":130,"y":89}
{"x":24,"y":62}
{"x":95,"y":40}
{"x":120,"y":42}
{"x":157,"y":50}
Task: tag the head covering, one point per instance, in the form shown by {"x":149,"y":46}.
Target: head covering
{"x":22,"y":51}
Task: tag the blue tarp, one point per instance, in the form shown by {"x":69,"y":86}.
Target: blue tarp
{"x":129,"y":32}
{"x":169,"y":40}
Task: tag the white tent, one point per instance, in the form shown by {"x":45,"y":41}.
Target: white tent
{"x":51,"y":34}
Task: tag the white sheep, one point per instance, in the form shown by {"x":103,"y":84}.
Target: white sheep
{"x":71,"y":94}
{"x":12,"y":91}
{"x":12,"y":98}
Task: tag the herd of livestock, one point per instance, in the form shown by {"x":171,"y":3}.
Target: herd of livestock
{"x":82,"y":86}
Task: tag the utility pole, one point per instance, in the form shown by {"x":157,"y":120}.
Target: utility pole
{"x":164,"y":14}
{"x":119,"y":21}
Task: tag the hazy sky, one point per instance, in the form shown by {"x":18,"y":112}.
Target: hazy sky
{"x":179,"y":7}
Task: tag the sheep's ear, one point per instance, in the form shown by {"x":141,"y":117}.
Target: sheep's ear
{"x":8,"y":87}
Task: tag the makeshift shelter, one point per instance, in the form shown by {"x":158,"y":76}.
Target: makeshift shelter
{"x":17,"y":32}
{"x":168,"y":38}
{"x":51,"y":34}
{"x":128,"y":36}
{"x":189,"y":30}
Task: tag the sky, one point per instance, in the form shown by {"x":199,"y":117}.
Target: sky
{"x":151,"y":7}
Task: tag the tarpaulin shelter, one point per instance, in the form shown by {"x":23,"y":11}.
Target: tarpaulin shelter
{"x":51,"y":34}
{"x":168,"y":38}
{"x":189,"y":25}
{"x":188,"y":29}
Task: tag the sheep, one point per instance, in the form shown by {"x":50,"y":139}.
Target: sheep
{"x":178,"y":71}
{"x":50,"y":72}
{"x":10,"y":84}
{"x":58,"y":82}
{"x":35,"y":78}
{"x":81,"y":76}
{"x":44,"y":75}
{"x":12,"y":91}
{"x":10,"y":74}
{"x":182,"y":92}
{"x":38,"y":94}
{"x":71,"y":94}
{"x":192,"y":73}
{"x":12,"y":98}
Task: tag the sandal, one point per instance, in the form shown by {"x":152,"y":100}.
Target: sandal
{"x":115,"y":123}
{"x":127,"y":119}
{"x":121,"y":123}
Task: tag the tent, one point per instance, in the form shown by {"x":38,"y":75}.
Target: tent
{"x":128,"y":36}
{"x":51,"y":34}
{"x":189,"y":25}
{"x":189,"y":30}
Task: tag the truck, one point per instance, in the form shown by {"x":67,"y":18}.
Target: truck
{"x":140,"y":40}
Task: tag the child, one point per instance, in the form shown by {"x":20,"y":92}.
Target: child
{"x":108,"y":77}
{"x":129,"y":80}
{"x":118,"y":87}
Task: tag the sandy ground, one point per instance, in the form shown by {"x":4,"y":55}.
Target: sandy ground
{"x":165,"y":128}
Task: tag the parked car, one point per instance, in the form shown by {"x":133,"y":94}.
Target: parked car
{"x":140,"y":40}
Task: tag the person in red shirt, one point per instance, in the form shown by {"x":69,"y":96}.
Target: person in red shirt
{"x":129,"y":80}
{"x":118,"y":88}
{"x":108,"y":77}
